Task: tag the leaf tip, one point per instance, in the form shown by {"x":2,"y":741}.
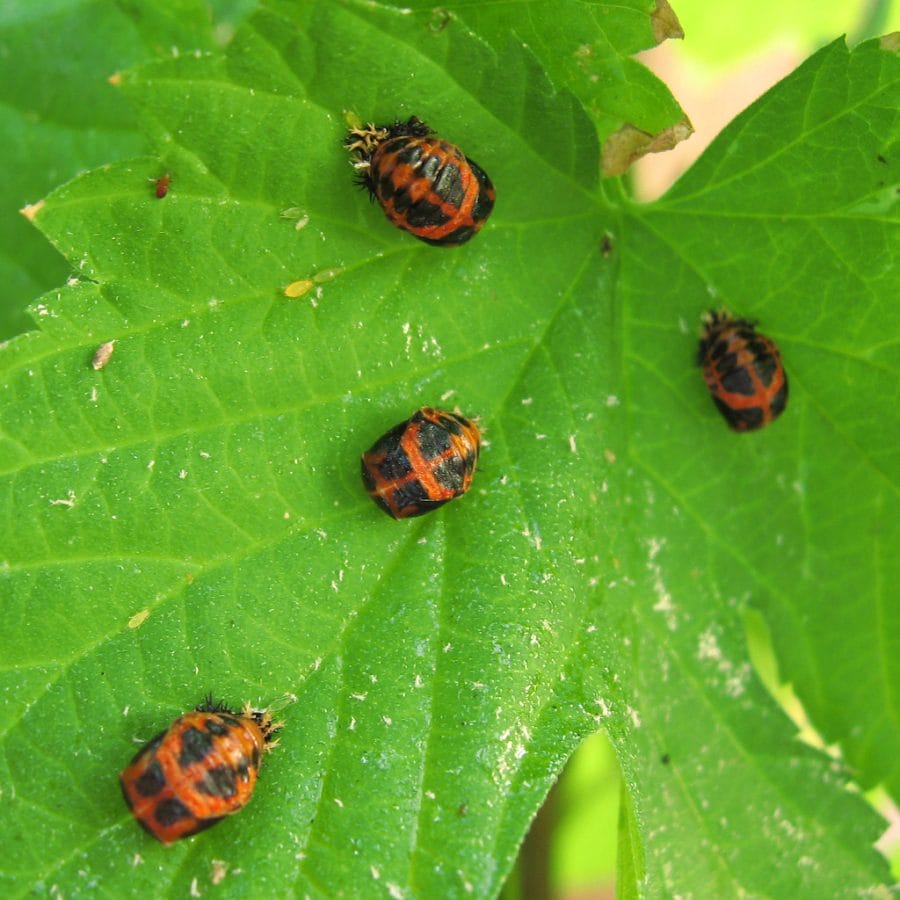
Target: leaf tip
{"x":30,"y":210}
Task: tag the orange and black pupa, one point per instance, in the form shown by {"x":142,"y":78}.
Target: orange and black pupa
{"x":425,"y":185}
{"x":743,"y":371}
{"x":202,"y":768}
{"x":422,"y":463}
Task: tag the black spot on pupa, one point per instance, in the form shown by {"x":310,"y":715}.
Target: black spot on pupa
{"x":423,"y":214}
{"x":195,"y":746}
{"x":740,"y":419}
{"x":432,"y":439}
{"x":738,"y":381}
{"x":216,"y":727}
{"x":414,"y":494}
{"x":218,"y":782}
{"x":152,"y":781}
{"x":170,"y":811}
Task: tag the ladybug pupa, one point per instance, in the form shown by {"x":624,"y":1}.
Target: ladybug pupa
{"x":202,"y":768}
{"x":422,"y":463}
{"x":424,"y":184}
{"x":743,"y":371}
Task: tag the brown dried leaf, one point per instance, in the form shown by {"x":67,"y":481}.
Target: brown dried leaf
{"x":628,"y":144}
{"x":665,"y":23}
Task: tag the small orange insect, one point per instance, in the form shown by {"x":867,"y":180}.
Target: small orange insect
{"x":202,"y":768}
{"x":162,"y":185}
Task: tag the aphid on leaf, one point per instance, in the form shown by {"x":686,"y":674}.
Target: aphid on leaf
{"x":162,"y":185}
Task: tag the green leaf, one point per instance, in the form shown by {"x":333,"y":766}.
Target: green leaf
{"x":629,"y":862}
{"x":60,"y":115}
{"x":826,"y":291}
{"x":584,"y":48}
{"x":190,"y":519}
